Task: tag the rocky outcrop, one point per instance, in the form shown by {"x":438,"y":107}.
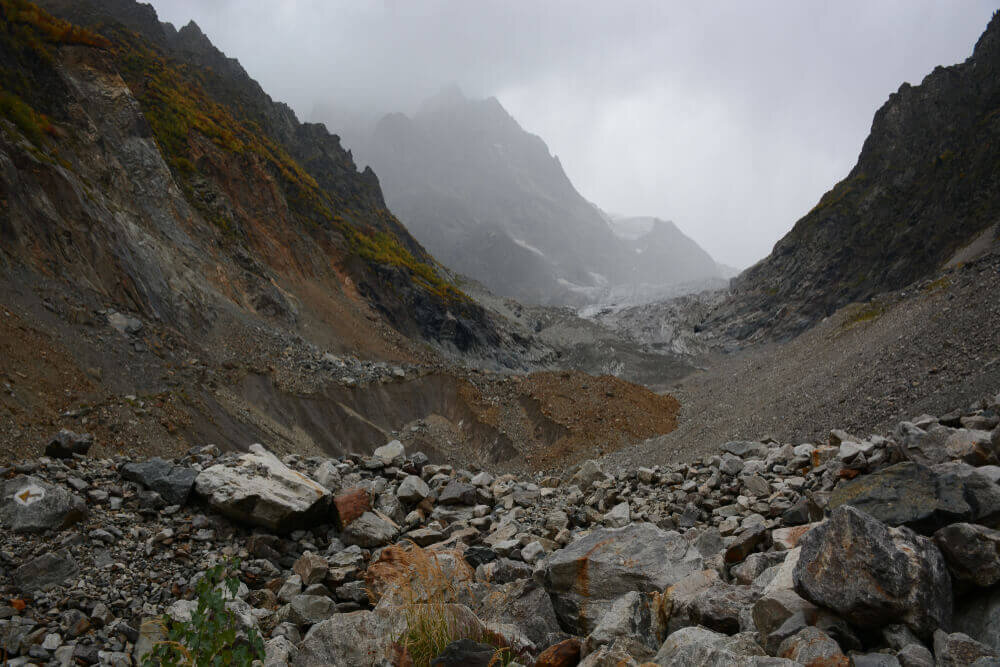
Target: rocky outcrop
{"x":924,"y":186}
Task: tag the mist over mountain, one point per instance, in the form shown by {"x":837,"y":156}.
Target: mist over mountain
{"x":490,"y":201}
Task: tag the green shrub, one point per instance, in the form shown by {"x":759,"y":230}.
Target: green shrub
{"x":211,"y":636}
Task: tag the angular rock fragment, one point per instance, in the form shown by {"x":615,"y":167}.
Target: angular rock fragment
{"x":172,"y":482}
{"x":258,"y":488}
{"x":589,"y":574}
{"x":874,"y":575}
{"x":922,"y":498}
{"x":29,"y":505}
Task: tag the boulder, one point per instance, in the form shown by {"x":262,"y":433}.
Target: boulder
{"x":610,"y":655}
{"x":564,"y":654}
{"x":358,"y":638}
{"x":972,"y":552}
{"x":46,"y":571}
{"x":618,"y":516}
{"x":812,"y":646}
{"x":64,"y":444}
{"x":633,"y":622}
{"x":700,"y":646}
{"x":279,"y":652}
{"x":390,"y":452}
{"x":306,"y":610}
{"x":590,"y":473}
{"x":745,"y":543}
{"x":959,"y":650}
{"x":370,"y":530}
{"x":523,"y":604}
{"x":915,"y":655}
{"x":458,"y":493}
{"x":29,"y":505}
{"x":412,"y":489}
{"x":172,"y":482}
{"x":365,"y":637}
{"x":922,"y":498}
{"x":311,"y":568}
{"x":585,"y":577}
{"x":719,"y":607}
{"x":349,"y":505}
{"x":679,"y":597}
{"x":873,"y":575}
{"x":258,"y":488}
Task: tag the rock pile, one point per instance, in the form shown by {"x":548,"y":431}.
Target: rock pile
{"x":863,"y":551}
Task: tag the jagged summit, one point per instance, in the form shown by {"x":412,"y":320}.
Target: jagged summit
{"x":491,"y":201}
{"x":926,"y":185}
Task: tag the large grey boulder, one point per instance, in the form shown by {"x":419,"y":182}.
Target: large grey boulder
{"x":412,"y":489}
{"x":960,"y":650}
{"x":590,"y":573}
{"x":632,"y":622}
{"x":363,"y":638}
{"x":923,"y":498}
{"x":29,"y":505}
{"x":695,"y":645}
{"x":172,"y":482}
{"x":523,"y":604}
{"x":370,"y":530}
{"x":50,"y":569}
{"x":873,"y":575}
{"x":258,"y":488}
{"x":812,"y":646}
{"x":972,"y":552}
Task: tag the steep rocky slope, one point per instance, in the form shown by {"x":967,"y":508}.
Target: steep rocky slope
{"x":926,"y":184}
{"x":175,"y":186}
{"x":489,"y":201}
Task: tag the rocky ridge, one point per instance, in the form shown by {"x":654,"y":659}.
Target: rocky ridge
{"x":865,"y":551}
{"x":923,"y":194}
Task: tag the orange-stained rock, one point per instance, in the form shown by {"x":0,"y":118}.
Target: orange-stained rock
{"x":349,"y":505}
{"x":564,"y":654}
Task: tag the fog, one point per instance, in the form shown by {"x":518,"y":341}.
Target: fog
{"x":731,"y":119}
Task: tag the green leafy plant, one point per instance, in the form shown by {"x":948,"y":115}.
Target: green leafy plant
{"x":211,"y":637}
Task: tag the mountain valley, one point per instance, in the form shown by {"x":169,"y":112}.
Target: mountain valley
{"x":444,"y":385}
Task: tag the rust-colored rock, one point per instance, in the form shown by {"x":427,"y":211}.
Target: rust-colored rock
{"x":564,"y":654}
{"x":349,"y":505}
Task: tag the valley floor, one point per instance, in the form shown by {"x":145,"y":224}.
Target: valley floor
{"x":925,"y":349}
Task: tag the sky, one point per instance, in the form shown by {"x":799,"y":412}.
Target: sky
{"x":729,"y":118}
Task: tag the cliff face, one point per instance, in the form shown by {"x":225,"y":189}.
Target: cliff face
{"x":927,"y":183}
{"x":142,"y":164}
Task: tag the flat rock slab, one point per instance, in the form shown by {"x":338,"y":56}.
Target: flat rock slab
{"x":874,"y":575}
{"x":29,"y":505}
{"x":922,"y":498}
{"x":48,"y":570}
{"x":589,"y":574}
{"x":258,"y":488}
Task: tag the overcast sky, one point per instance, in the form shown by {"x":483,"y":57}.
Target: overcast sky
{"x":731,"y":119}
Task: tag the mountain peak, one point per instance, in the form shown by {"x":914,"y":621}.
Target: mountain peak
{"x":449,"y":97}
